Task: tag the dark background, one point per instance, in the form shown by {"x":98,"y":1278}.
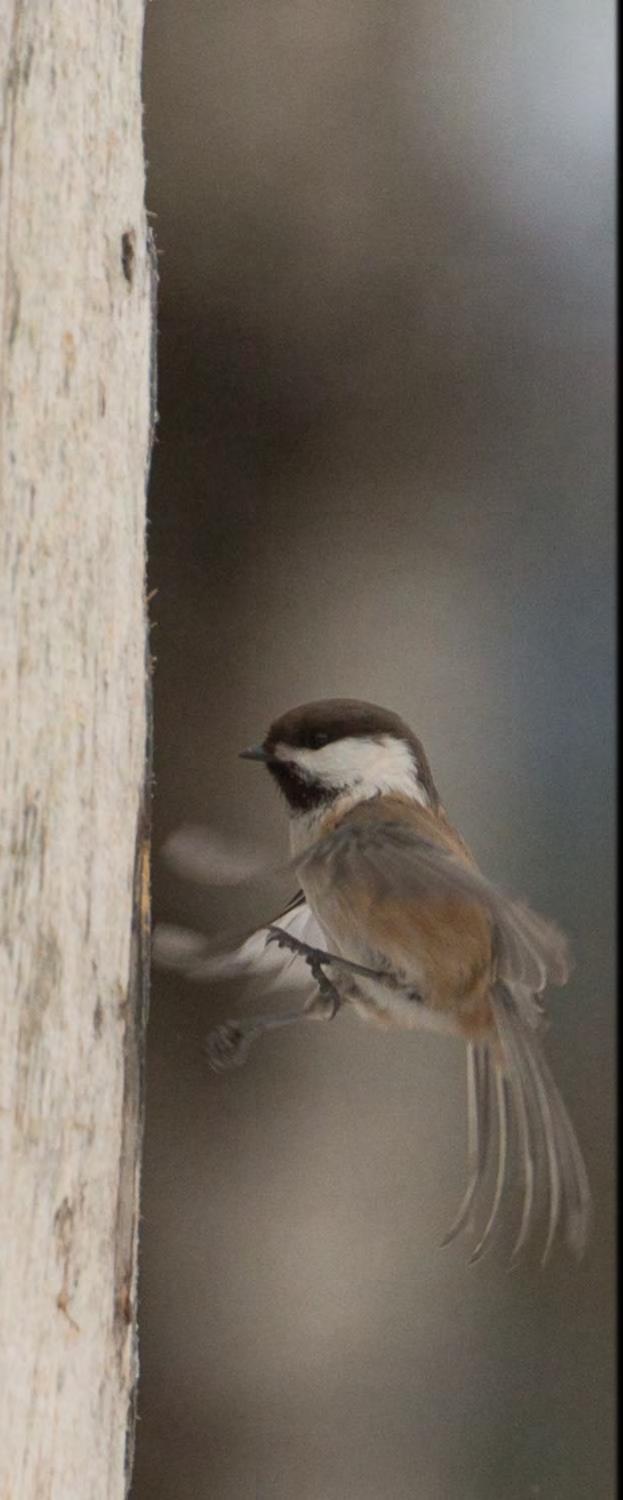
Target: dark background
{"x":384,"y":469}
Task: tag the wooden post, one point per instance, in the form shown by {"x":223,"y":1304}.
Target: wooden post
{"x":76,"y":393}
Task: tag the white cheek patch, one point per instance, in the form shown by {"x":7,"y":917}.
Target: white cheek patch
{"x":361,"y":765}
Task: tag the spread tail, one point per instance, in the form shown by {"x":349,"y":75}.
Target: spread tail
{"x":513,"y":1097}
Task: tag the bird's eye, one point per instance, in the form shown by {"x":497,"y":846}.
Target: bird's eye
{"x":319,"y":739}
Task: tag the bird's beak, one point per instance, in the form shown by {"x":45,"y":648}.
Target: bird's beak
{"x":255,"y":752}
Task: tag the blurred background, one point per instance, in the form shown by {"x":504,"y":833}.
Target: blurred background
{"x":384,"y":469}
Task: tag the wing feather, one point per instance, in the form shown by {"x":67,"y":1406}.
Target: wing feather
{"x":529,"y":951}
{"x":199,"y":958}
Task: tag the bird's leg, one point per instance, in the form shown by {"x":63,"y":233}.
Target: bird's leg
{"x":228,"y":1045}
{"x":316,"y":958}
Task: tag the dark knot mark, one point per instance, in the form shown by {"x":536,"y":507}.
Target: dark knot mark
{"x":128,"y":255}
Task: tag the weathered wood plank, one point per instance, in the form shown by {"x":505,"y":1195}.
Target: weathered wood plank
{"x":76,"y":309}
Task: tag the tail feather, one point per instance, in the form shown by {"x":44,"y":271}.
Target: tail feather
{"x":525,"y":1065}
{"x":501,"y":1098}
{"x":532,"y":1126}
{"x":478,"y":1134}
{"x":554,"y":1144}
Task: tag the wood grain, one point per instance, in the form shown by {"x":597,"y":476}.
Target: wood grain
{"x":76,"y":299}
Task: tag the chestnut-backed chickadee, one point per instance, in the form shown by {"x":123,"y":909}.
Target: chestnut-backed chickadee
{"x":394,"y":919}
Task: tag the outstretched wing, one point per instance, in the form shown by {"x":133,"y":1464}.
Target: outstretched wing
{"x":199,"y":958}
{"x":396,"y":862}
{"x":202,"y":854}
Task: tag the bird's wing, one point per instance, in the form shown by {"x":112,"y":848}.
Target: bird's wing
{"x":201,"y":853}
{"x":199,"y":958}
{"x":204,"y":855}
{"x":395,"y":863}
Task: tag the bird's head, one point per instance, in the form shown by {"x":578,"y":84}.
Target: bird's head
{"x":340,"y":747}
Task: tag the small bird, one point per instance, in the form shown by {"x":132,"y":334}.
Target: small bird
{"x":394,"y":919}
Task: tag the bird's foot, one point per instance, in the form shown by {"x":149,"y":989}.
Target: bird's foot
{"x":315,"y":958}
{"x":228,"y":1045}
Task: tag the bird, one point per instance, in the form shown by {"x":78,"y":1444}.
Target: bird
{"x":393,"y":919}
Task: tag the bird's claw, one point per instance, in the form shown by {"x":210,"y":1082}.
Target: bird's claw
{"x":285,"y":939}
{"x":327,"y":993}
{"x":315,"y":958}
{"x":227,"y":1047}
